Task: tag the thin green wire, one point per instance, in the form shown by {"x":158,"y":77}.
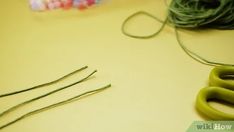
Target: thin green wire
{"x":47,"y":94}
{"x":54,"y":105}
{"x":44,"y":95}
{"x":181,"y":15}
{"x":195,"y":56}
{"x":44,"y":84}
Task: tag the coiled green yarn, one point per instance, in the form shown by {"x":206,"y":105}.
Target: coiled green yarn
{"x":218,"y":14}
{"x":192,"y":14}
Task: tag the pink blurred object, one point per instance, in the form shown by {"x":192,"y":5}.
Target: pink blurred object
{"x":42,"y":5}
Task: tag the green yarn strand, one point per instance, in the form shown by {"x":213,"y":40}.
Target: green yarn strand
{"x":192,"y":14}
{"x":124,"y":31}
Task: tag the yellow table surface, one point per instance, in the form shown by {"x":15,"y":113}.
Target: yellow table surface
{"x":154,"y":83}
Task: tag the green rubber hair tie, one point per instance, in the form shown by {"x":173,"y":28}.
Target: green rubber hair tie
{"x":221,"y":88}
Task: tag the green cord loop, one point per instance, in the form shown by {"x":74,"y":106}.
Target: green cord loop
{"x":124,"y":31}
